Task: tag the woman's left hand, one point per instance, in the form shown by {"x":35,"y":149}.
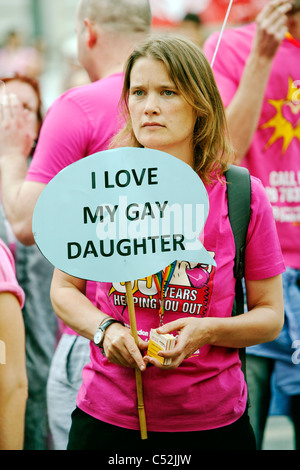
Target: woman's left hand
{"x":192,"y":333}
{"x":120,"y":347}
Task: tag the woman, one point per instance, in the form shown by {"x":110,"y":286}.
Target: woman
{"x":172,"y":104}
{"x":13,"y":377}
{"x":34,"y":272}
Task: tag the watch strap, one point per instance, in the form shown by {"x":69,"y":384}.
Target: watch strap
{"x":105,"y":323}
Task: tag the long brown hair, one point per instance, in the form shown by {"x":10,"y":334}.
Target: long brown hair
{"x":189,"y":69}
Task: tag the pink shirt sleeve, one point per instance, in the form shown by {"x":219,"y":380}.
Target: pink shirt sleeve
{"x":8,"y":281}
{"x":263,"y":258}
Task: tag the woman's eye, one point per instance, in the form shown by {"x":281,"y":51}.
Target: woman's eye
{"x":28,"y":108}
{"x":138,"y":93}
{"x":168,"y":92}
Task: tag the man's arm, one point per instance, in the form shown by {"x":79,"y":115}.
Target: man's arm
{"x":243,"y":112}
{"x":18,"y":196}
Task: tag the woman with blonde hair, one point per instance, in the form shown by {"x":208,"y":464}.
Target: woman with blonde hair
{"x":199,"y":401}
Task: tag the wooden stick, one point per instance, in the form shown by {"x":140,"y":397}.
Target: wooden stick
{"x":138,"y":374}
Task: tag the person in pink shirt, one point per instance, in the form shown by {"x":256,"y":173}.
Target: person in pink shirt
{"x":13,"y":376}
{"x":257,"y":69}
{"x":79,"y":123}
{"x":34,"y":274}
{"x":199,"y":402}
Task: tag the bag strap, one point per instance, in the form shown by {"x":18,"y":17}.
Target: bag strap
{"x":239,"y":201}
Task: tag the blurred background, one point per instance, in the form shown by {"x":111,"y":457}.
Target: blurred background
{"x":37,"y":37}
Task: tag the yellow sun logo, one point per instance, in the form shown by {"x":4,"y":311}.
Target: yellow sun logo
{"x":286,"y":121}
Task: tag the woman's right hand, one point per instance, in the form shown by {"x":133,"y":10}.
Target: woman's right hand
{"x":120,"y":347}
{"x":16,"y":130}
{"x":271,"y":28}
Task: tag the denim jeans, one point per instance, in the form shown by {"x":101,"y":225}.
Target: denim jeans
{"x":65,"y":378}
{"x":34,"y":274}
{"x":287,"y":373}
{"x":273,"y":369}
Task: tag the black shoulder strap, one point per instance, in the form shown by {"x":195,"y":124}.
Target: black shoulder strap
{"x":239,"y":200}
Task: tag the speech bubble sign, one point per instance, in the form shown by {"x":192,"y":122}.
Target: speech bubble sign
{"x":121,"y":215}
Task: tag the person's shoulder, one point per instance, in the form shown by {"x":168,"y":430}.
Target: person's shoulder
{"x":74,"y":99}
{"x":258,"y":192}
{"x":256,"y":184}
{"x":73,"y":93}
{"x":8,"y":279}
{"x":93,"y":87}
{"x":7,"y":263}
{"x":91,"y":92}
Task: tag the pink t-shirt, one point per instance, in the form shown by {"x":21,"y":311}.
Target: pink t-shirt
{"x":208,"y":390}
{"x":274,"y":153}
{"x":79,"y":123}
{"x":8,"y":281}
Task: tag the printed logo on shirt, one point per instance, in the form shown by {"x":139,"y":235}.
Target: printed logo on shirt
{"x":285,"y":122}
{"x":188,"y":292}
{"x":283,"y":188}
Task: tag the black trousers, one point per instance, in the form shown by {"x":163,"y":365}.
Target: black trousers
{"x":88,"y":433}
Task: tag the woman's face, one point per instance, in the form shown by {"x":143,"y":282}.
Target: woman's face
{"x":161,"y":117}
{"x":28,"y":98}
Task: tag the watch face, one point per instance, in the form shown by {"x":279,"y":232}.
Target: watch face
{"x":98,"y":337}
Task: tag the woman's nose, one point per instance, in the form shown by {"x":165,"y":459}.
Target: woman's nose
{"x":152,"y":104}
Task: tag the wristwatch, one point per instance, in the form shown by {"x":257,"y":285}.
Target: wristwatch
{"x":99,"y":335}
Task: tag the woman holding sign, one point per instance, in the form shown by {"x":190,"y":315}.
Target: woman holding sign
{"x":199,"y":400}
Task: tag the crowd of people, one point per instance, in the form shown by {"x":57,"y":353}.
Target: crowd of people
{"x":68,"y":392}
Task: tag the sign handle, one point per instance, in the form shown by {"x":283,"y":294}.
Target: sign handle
{"x":138,"y":374}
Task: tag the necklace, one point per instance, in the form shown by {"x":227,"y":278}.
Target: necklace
{"x":162,"y":280}
{"x":290,"y":38}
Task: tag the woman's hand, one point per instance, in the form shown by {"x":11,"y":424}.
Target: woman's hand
{"x":271,"y":28}
{"x":192,"y":333}
{"x":120,"y":347}
{"x":16,"y":130}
